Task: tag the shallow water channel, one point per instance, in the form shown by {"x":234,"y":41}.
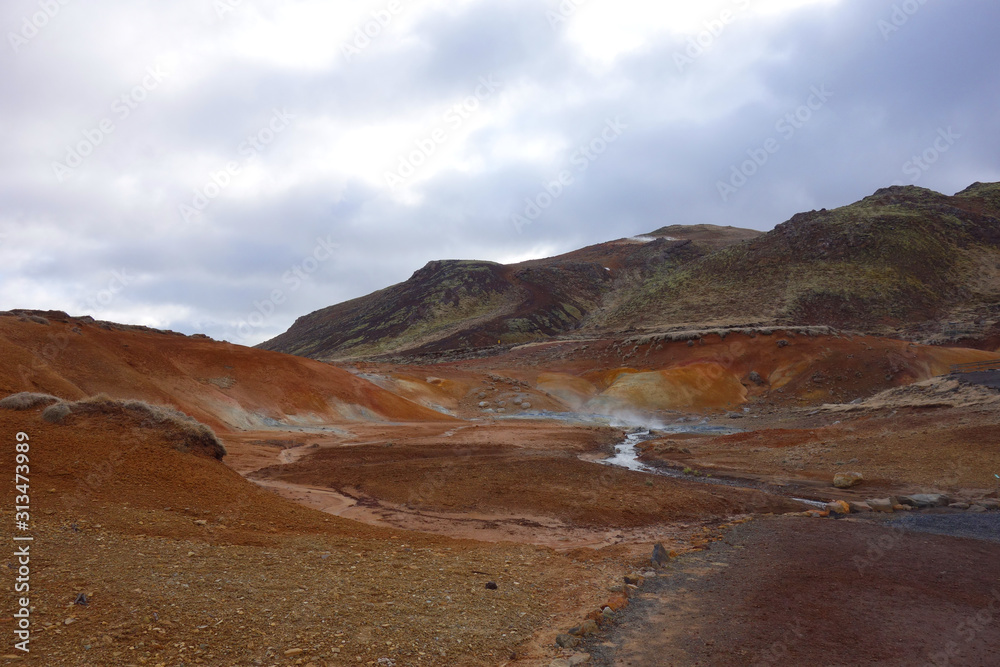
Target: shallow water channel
{"x":627,"y":456}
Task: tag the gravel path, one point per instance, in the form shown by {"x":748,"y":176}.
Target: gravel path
{"x":984,"y":526}
{"x":795,"y":591}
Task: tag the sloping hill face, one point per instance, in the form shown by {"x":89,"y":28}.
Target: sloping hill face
{"x":903,"y":260}
{"x":226,"y":386}
{"x":466,"y":304}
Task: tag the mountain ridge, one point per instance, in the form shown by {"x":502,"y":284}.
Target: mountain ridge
{"x":904,"y":261}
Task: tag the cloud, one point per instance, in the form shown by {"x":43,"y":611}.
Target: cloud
{"x":155,"y":105}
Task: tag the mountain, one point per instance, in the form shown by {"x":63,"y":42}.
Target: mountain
{"x":905,"y":261}
{"x":455,"y":304}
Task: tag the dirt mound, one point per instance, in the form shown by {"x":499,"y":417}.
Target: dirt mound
{"x":226,"y":386}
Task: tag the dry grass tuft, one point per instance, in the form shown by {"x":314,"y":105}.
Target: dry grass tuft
{"x":27,"y":400}
{"x":187,"y":433}
{"x":56,"y":413}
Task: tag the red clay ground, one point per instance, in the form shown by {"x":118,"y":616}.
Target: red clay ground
{"x":515,"y":480}
{"x":185,"y":561}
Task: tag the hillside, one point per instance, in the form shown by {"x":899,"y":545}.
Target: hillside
{"x":905,"y":261}
{"x":456,"y":304}
{"x":227,"y":386}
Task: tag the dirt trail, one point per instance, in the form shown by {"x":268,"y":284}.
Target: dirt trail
{"x":791,"y":591}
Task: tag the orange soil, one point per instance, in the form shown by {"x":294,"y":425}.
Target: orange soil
{"x":183,"y":560}
{"x":711,"y":374}
{"x":226,"y":386}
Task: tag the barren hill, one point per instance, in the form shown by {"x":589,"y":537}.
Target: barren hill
{"x":227,"y":386}
{"x":904,"y":260}
{"x":460,"y":304}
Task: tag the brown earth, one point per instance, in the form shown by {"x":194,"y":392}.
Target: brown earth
{"x":900,"y":451}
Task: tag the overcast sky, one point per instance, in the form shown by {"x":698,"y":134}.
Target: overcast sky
{"x":225,"y":166}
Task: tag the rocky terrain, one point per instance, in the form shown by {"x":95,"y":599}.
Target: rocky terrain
{"x":685,"y":448}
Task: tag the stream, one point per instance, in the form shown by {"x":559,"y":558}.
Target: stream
{"x":627,"y":456}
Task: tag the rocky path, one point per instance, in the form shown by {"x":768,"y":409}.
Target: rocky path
{"x":794,"y":591}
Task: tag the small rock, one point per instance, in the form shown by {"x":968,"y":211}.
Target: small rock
{"x":69,"y":621}
{"x":579,"y":659}
{"x":525,"y":405}
{"x":959,"y":506}
{"x":989,"y":504}
{"x":201,"y":522}
{"x":294,"y":651}
{"x":559,"y":662}
{"x":858,"y":507}
{"x":845,"y":480}
{"x":922,"y":500}
{"x":838,"y":507}
{"x":976,"y":508}
{"x":660,"y":555}
{"x":607,"y":612}
{"x":82,"y":600}
{"x":756,"y":378}
{"x":491,"y":585}
{"x":633,"y":580}
{"x":567,"y":641}
{"x":880,"y":504}
{"x":585,"y":629}
{"x":783,"y":343}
